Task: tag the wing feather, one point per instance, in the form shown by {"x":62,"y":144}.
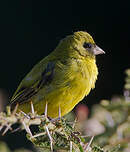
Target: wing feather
{"x":30,"y":86}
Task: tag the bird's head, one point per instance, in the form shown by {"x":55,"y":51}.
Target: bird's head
{"x":79,"y":44}
{"x":85,"y":45}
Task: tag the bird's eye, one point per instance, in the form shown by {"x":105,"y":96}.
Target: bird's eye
{"x":87,"y":45}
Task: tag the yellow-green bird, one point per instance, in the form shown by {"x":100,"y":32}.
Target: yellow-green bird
{"x":61,"y":79}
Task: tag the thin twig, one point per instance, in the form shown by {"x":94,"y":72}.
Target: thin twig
{"x":49,"y":135}
{"x":27,"y":129}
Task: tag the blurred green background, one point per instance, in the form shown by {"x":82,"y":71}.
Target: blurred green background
{"x":30,"y":30}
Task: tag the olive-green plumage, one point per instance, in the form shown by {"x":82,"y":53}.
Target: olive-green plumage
{"x":62,"y":79}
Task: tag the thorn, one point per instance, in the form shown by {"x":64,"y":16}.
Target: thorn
{"x":74,"y":123}
{"x":15,"y":130}
{"x":71,"y":146}
{"x":27,"y":116}
{"x":88,"y":145}
{"x":15,"y":109}
{"x":59,"y":113}
{"x":32,"y":108}
{"x":40,"y":134}
{"x":51,"y":140}
{"x":8,"y":110}
{"x":85,"y":136}
{"x":45,"y":110}
{"x":27,"y":129}
{"x":1,"y":127}
{"x":7,"y":128}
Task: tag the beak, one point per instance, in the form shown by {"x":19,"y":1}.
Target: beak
{"x":97,"y":50}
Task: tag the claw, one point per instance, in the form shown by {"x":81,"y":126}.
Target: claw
{"x":51,"y":140}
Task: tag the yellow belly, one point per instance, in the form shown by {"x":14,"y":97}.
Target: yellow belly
{"x":64,"y":98}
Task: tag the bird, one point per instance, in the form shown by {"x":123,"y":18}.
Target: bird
{"x":62,"y":79}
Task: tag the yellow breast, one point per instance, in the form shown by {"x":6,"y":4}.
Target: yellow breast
{"x":73,"y":84}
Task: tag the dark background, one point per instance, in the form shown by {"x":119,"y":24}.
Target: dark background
{"x":30,"y":30}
